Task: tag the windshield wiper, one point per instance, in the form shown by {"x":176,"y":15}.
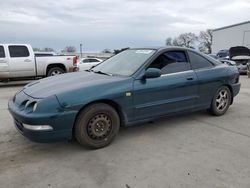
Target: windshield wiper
{"x":100,"y":72}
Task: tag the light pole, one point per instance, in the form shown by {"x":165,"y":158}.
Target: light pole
{"x":81,"y":50}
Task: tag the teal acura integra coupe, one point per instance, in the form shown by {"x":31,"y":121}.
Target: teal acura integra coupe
{"x":134,"y":86}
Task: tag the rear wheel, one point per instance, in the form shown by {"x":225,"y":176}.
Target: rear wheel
{"x":221,"y":101}
{"x":55,"y":71}
{"x":97,"y":125}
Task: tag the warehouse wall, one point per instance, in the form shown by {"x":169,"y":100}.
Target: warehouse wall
{"x":238,"y":35}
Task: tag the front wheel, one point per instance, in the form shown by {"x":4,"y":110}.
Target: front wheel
{"x":221,"y":101}
{"x":97,"y":125}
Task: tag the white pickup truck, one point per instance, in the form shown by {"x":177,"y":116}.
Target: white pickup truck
{"x":17,"y":61}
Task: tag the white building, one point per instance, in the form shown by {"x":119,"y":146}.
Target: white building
{"x":229,"y":36}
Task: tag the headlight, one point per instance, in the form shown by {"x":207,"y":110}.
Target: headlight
{"x":34,"y":107}
{"x":30,"y":106}
{"x":27,"y":104}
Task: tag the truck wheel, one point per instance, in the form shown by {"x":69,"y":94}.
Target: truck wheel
{"x":97,"y":125}
{"x":221,"y":101}
{"x":55,"y":71}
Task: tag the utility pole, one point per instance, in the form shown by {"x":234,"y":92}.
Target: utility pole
{"x":81,"y":50}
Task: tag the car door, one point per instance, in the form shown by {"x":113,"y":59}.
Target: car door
{"x":21,"y":61}
{"x":4,"y":66}
{"x":175,"y":90}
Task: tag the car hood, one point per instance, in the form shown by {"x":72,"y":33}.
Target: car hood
{"x":239,"y":52}
{"x":67,"y":82}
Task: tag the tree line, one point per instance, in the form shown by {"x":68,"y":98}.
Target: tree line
{"x":67,"y":49}
{"x":203,"y":41}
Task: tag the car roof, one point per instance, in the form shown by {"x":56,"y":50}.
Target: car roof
{"x":89,"y":58}
{"x":159,"y":48}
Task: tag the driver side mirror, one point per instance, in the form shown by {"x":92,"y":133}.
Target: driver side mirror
{"x":152,"y":73}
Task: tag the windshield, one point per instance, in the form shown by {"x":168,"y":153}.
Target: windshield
{"x":124,"y":63}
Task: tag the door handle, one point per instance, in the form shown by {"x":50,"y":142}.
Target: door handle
{"x":190,"y":78}
{"x":27,"y":60}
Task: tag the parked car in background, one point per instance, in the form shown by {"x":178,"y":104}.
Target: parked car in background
{"x":87,"y":63}
{"x":241,"y":65}
{"x":248,"y":69}
{"x":133,"y":86}
{"x":223,"y":54}
{"x":18,"y":61}
{"x":241,"y":55}
{"x":228,"y":62}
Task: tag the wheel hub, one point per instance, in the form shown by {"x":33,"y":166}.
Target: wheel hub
{"x":56,"y":72}
{"x":222,"y":100}
{"x":99,"y":126}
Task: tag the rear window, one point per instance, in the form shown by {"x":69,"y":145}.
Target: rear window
{"x":2,"y":54}
{"x":198,"y":62}
{"x":18,"y":51}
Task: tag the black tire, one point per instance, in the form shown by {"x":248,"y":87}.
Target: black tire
{"x":97,"y":125}
{"x":55,"y":71}
{"x":221,"y":101}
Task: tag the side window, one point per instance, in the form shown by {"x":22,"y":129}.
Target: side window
{"x":85,"y":61}
{"x":19,"y":51}
{"x":198,"y":62}
{"x":171,"y":62}
{"x":2,"y":53}
{"x":93,"y":61}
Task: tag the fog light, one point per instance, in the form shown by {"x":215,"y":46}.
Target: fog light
{"x":38,"y":127}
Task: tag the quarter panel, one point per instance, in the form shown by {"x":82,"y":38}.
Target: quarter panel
{"x":209,"y":80}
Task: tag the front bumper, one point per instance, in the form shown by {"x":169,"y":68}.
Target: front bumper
{"x":62,"y":123}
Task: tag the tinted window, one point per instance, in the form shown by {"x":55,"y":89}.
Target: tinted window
{"x":85,"y":61}
{"x":2,"y":54}
{"x":19,"y":51}
{"x":198,"y":62}
{"x":171,"y":62}
{"x":223,"y":53}
{"x":93,"y":61}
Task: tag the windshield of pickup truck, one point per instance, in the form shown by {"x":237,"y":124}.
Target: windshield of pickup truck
{"x":124,"y":63}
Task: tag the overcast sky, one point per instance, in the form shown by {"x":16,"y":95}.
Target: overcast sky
{"x":100,"y":24}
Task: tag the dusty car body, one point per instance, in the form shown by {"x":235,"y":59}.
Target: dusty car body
{"x":134,"y":86}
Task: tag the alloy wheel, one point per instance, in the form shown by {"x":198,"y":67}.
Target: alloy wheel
{"x":222,"y":100}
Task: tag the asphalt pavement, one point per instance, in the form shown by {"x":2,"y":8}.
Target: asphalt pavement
{"x":195,"y":150}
